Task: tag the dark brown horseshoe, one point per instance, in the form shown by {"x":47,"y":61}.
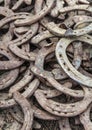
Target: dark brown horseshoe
{"x":27,"y":110}
{"x":38,"y":16}
{"x":22,"y":83}
{"x":8,"y":79}
{"x":12,"y":63}
{"x":66,"y":110}
{"x":27,"y":93}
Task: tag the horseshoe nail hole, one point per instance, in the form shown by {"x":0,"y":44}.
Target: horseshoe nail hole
{"x":65,"y":112}
{"x":61,"y":46}
{"x":63,"y":126}
{"x":7,"y":51}
{"x":45,"y":94}
{"x":53,"y":110}
{"x":60,"y":55}
{"x":64,"y":63}
{"x":57,"y":105}
{"x":30,"y":74}
{"x":72,"y":105}
{"x":68,"y":69}
{"x":76,"y":93}
{"x":88,"y":38}
{"x":1,"y":49}
{"x":15,"y":112}
{"x":59,"y":111}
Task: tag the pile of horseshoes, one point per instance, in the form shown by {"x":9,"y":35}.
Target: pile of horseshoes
{"x":45,"y":64}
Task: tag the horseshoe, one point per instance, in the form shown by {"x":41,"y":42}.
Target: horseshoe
{"x":69,"y":22}
{"x":39,"y":71}
{"x":65,"y":110}
{"x":82,"y":24}
{"x":79,"y":32}
{"x":54,"y":29}
{"x":9,"y":35}
{"x":7,"y":12}
{"x":27,"y":110}
{"x":41,"y":114}
{"x":30,"y":56}
{"x":38,"y":113}
{"x":81,"y":7}
{"x":22,"y":83}
{"x":8,"y":79}
{"x":17,"y":115}
{"x":13,"y":17}
{"x":85,"y":119}
{"x":12,"y":63}
{"x":53,"y":92}
{"x":65,"y":63}
{"x":27,"y":93}
{"x":36,"y":17}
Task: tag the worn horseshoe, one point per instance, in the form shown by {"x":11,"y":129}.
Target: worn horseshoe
{"x":81,"y":7}
{"x":27,"y":110}
{"x":65,"y":63}
{"x":12,"y":63}
{"x":12,"y":17}
{"x":36,"y":17}
{"x":8,"y":79}
{"x":54,"y":29}
{"x":80,"y":31}
{"x":66,"y":110}
{"x":22,"y":83}
{"x":27,"y":93}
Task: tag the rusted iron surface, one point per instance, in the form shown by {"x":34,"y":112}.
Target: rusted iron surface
{"x":45,"y":64}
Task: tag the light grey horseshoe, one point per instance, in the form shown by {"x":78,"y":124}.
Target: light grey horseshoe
{"x":65,"y":63}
